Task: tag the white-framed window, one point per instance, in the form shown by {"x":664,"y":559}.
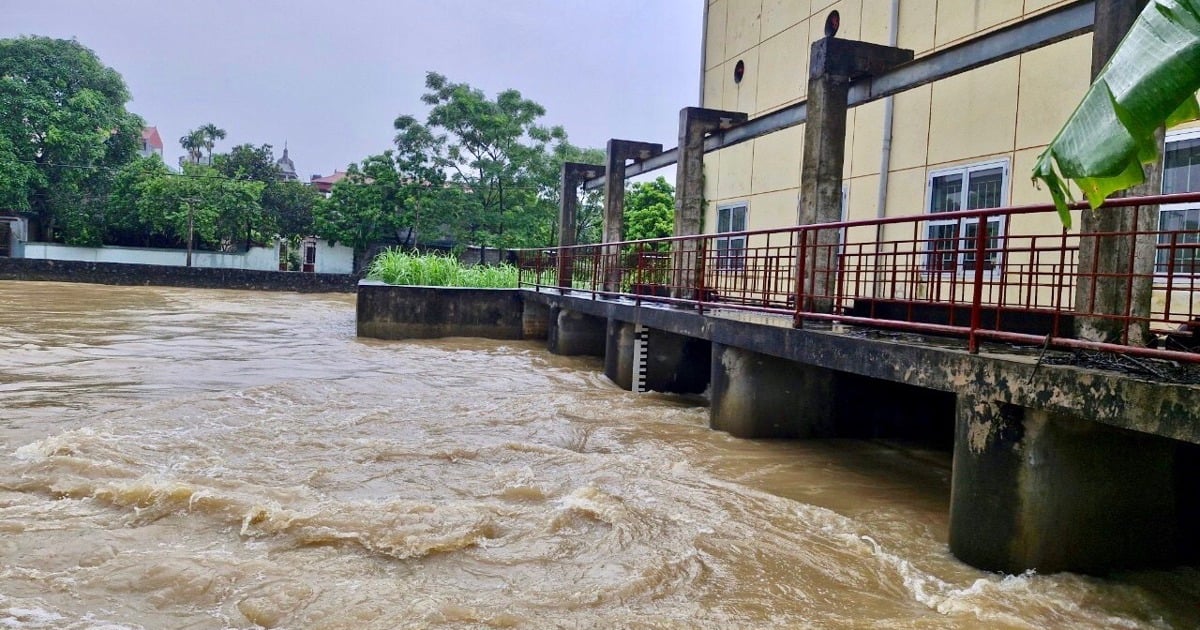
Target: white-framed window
{"x":950,"y":244}
{"x":1180,"y":222}
{"x":731,"y":250}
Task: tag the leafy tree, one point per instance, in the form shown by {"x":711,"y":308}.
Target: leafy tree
{"x":494,"y":147}
{"x":63,"y":127}
{"x":211,"y":134}
{"x":124,"y":221}
{"x":289,"y":206}
{"x":649,"y":210}
{"x":246,"y":161}
{"x":355,"y":214}
{"x":154,"y":203}
{"x":193,"y":142}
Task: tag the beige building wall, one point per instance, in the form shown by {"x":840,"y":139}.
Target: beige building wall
{"x":1007,"y":111}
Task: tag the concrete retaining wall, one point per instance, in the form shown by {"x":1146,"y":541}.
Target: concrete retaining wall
{"x":158,"y":275}
{"x":261,"y":258}
{"x":402,"y":312}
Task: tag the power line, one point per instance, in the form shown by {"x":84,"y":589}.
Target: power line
{"x":97,"y":167}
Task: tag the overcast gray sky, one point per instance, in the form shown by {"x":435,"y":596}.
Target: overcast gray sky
{"x":329,"y":77}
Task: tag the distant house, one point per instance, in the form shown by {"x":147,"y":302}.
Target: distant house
{"x":324,"y":184}
{"x":152,"y":143}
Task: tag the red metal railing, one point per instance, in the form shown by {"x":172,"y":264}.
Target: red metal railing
{"x":1001,"y":274}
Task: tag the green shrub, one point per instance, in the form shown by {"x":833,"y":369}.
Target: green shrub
{"x":395,"y":266}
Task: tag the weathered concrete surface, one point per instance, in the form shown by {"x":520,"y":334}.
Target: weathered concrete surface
{"x":694,"y":124}
{"x":1107,"y":254}
{"x":674,"y":363}
{"x":573,"y":333}
{"x":1049,"y":492}
{"x":677,"y":364}
{"x":1168,"y":410}
{"x":535,"y":320}
{"x":396,"y":312}
{"x":833,"y":64}
{"x":618,"y":355}
{"x":618,"y":152}
{"x":759,"y":396}
{"x":166,"y":276}
{"x":570,"y":177}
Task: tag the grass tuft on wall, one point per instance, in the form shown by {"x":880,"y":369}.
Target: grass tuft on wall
{"x":395,"y":266}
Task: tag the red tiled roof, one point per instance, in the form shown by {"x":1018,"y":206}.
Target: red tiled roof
{"x":330,"y":179}
{"x":150,"y":135}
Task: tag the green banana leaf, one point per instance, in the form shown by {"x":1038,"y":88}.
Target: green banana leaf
{"x":1150,"y":81}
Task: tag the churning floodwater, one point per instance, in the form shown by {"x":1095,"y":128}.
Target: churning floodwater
{"x":175,"y":458}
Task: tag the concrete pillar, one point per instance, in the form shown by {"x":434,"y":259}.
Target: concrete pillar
{"x":618,"y":354}
{"x":834,"y":63}
{"x":1036,"y":490}
{"x":1105,"y":262}
{"x":760,"y":396}
{"x":572,"y":333}
{"x":675,"y":364}
{"x":618,"y":152}
{"x":573,"y":174}
{"x":535,"y":320}
{"x":694,"y":124}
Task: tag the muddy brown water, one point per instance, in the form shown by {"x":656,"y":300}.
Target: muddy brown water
{"x":174,"y":458}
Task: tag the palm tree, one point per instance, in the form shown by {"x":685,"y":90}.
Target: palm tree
{"x":193,"y":142}
{"x":212,"y":133}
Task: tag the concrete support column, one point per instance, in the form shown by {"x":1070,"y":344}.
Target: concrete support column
{"x":1036,"y":490}
{"x":618,"y":354}
{"x":675,"y":364}
{"x":573,"y":174}
{"x":834,"y":63}
{"x":694,"y":124}
{"x":759,"y":396}
{"x":535,"y":320}
{"x":1106,"y":257}
{"x":618,"y":152}
{"x":572,"y":333}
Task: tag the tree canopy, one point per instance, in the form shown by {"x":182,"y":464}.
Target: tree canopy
{"x":480,"y":170}
{"x":649,"y":210}
{"x":63,"y":131}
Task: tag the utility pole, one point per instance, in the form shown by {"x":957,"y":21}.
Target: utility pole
{"x":191,"y":230}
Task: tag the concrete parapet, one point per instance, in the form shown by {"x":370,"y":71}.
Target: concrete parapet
{"x":759,"y":396}
{"x":401,"y":312}
{"x":1043,"y":491}
{"x":572,"y":333}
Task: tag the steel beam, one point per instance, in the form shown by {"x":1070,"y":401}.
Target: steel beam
{"x":1042,"y":30}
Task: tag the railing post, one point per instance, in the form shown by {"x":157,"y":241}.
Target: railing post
{"x":801,"y":271}
{"x":702,"y":252}
{"x":981,"y":233}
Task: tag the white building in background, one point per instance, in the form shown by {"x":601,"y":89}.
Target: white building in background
{"x":316,"y":255}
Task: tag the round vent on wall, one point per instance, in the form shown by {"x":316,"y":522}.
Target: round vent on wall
{"x":739,"y":71}
{"x":832,"y":23}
